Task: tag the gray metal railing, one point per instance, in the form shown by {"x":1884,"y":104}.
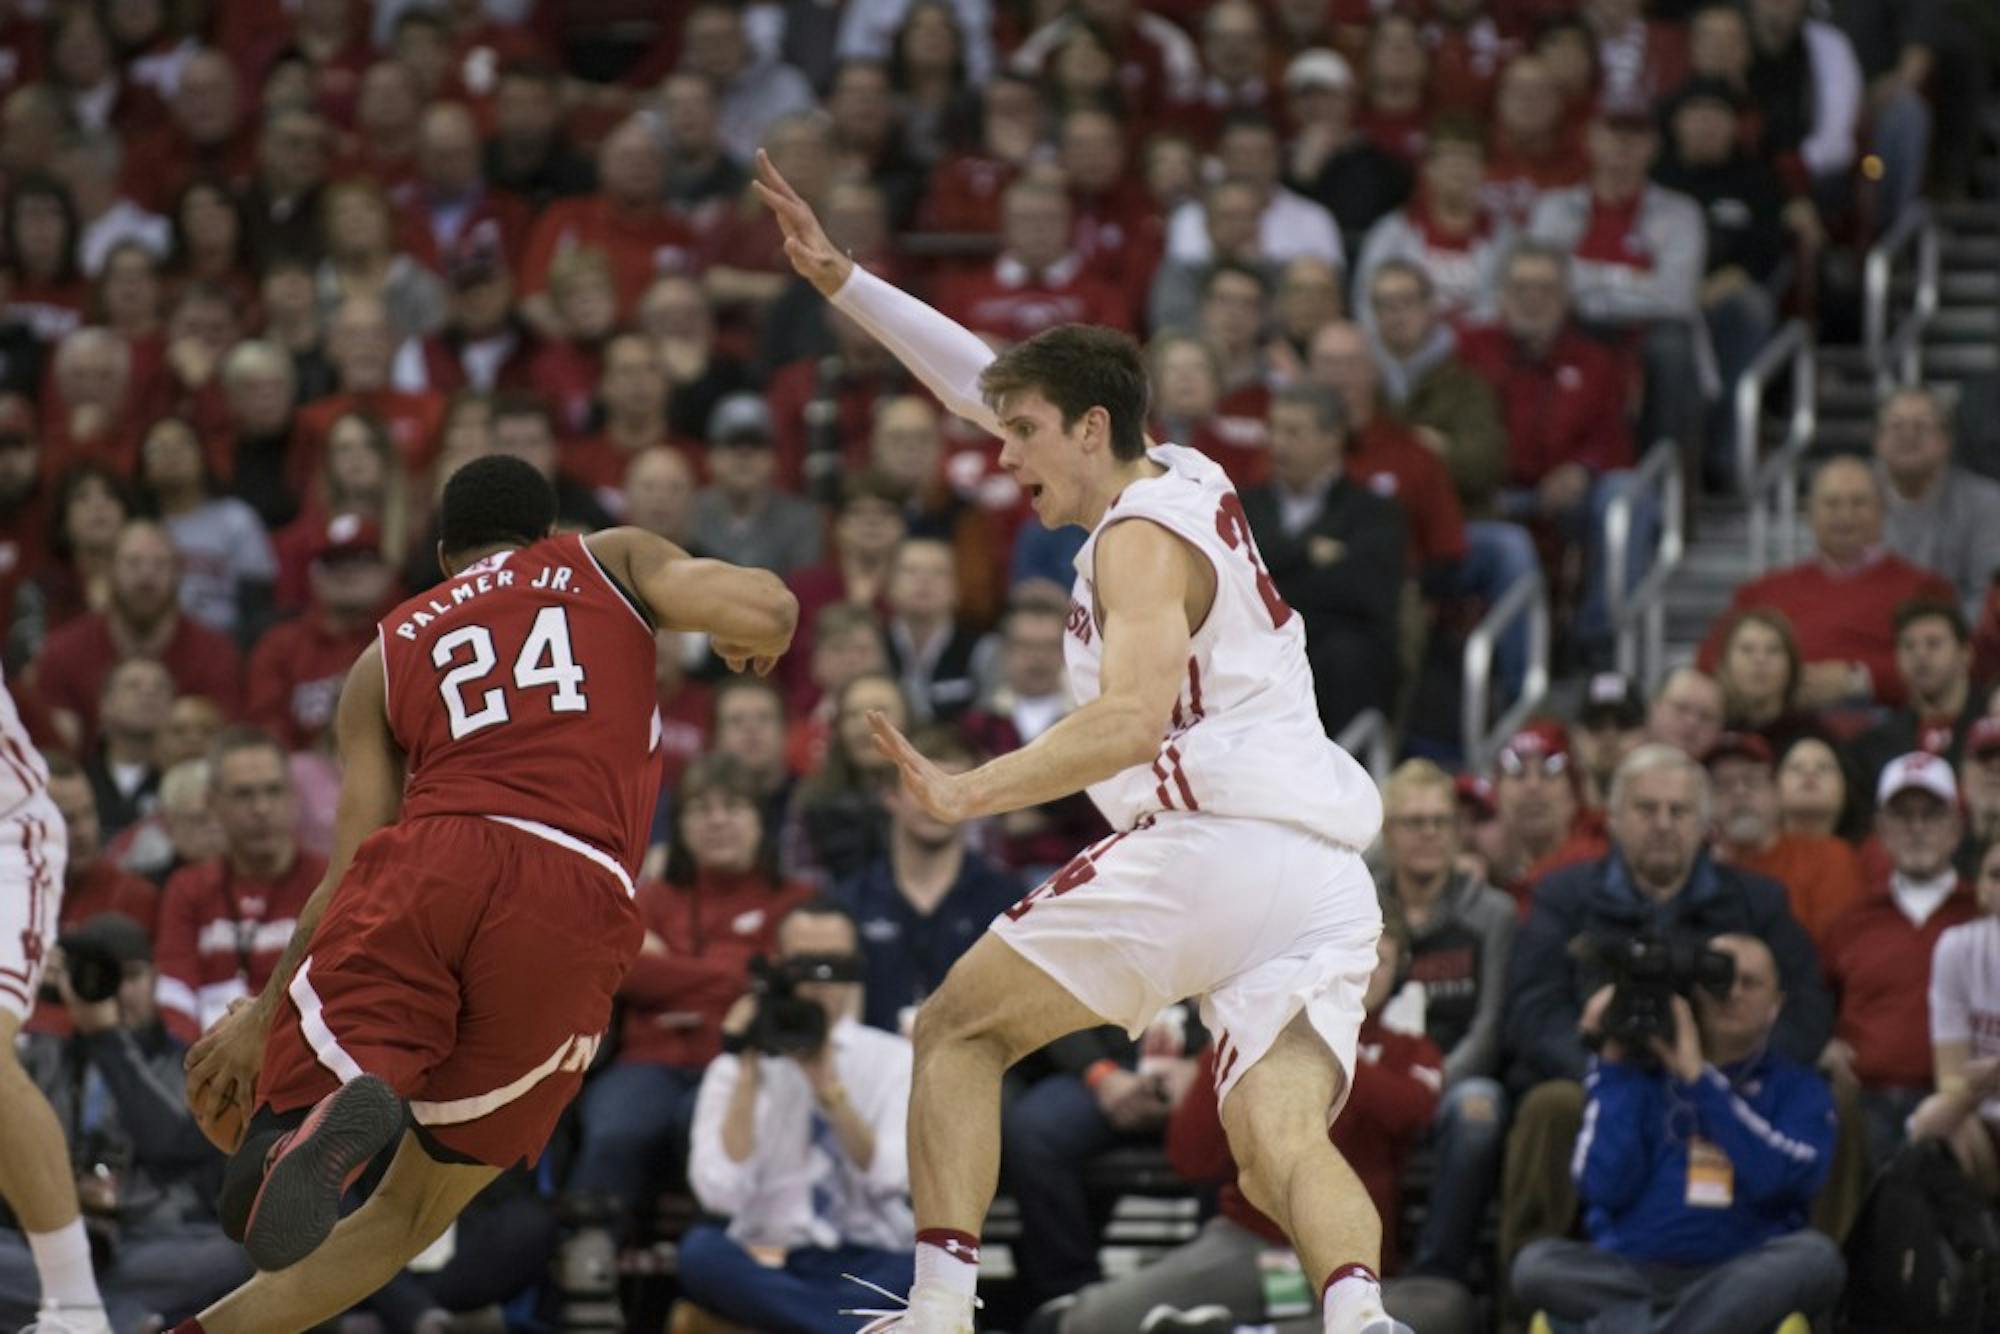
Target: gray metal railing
{"x":1366,"y":738}
{"x":1528,"y":597}
{"x":1639,"y":613}
{"x":1772,"y":483}
{"x":1896,"y":347}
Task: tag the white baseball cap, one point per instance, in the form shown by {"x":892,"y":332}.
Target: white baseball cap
{"x":1319,"y":68}
{"x":1920,"y":770}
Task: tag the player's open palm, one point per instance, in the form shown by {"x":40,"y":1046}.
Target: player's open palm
{"x":939,"y":793}
{"x":806,"y":244}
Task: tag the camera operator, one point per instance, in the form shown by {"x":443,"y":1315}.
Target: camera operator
{"x":798,"y":1139}
{"x":1697,"y":1168}
{"x":1656,"y":883}
{"x":144,"y":1171}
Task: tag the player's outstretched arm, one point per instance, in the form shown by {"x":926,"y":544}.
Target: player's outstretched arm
{"x":942,"y":353}
{"x":1145,"y":579}
{"x":222,"y":1065}
{"x":749,"y":614}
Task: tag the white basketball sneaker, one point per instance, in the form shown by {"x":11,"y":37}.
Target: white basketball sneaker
{"x":922,"y":1312}
{"x":54,"y":1319}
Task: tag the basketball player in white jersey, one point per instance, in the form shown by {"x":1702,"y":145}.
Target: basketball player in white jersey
{"x":1236,"y":871}
{"x":34,"y":1161}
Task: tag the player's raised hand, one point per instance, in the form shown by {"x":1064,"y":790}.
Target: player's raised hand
{"x":806,"y":243}
{"x":939,"y":793}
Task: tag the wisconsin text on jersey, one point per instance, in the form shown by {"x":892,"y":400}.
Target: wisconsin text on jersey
{"x":484,"y":577}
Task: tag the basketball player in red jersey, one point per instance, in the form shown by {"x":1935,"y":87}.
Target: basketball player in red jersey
{"x":448,"y":981}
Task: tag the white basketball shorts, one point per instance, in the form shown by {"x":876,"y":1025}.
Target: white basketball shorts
{"x":33,"y":849}
{"x":1259,"y":919}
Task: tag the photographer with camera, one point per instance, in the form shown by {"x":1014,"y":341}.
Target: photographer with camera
{"x":1700,"y":1155}
{"x":1657,"y":886}
{"x":144,"y":1172}
{"x":798,"y":1140}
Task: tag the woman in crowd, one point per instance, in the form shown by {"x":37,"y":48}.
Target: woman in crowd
{"x":1812,"y":790}
{"x":362,"y":259}
{"x":212,"y":241}
{"x":1758,"y":670}
{"x":227,"y":565}
{"x":363,"y":475}
{"x":840,"y":821}
{"x":41,"y":287}
{"x":90,"y":505}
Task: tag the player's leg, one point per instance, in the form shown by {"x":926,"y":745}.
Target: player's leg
{"x":35,"y":1181}
{"x":1276,"y":1118}
{"x":994,"y":1008}
{"x":418,"y":1197}
{"x":34,"y":1159}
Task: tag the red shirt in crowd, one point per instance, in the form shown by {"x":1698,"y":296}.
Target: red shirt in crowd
{"x":1838,"y":615}
{"x":675,"y":997}
{"x":1395,"y":1094}
{"x":1821,"y":875}
{"x":1012,"y":303}
{"x":1466,"y":60}
{"x":965,"y":194}
{"x":1241,"y":444}
{"x":495,"y":221}
{"x":1514,"y":177}
{"x":1120,"y":237}
{"x":415,"y":422}
{"x":78,"y":657}
{"x":1878,"y":963}
{"x":640,"y":243}
{"x":792,"y":387}
{"x":565,"y":374}
{"x":1566,"y":407}
{"x":296,"y":672}
{"x":1586,"y":841}
{"x":162,"y":163}
{"x":684,"y":720}
{"x":220,"y":936}
{"x":1388,"y":459}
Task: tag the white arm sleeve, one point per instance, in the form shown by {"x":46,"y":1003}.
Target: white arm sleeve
{"x":942,"y":353}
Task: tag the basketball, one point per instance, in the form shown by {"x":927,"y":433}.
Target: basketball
{"x":223,"y":1128}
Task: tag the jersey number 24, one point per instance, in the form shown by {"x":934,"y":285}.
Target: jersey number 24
{"x":545,"y":660}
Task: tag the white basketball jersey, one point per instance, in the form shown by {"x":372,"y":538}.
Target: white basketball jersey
{"x":22,"y":773}
{"x":1245,"y":738}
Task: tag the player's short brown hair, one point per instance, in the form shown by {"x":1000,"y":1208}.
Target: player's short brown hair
{"x":1077,"y":367}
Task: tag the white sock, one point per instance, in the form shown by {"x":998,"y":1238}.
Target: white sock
{"x":62,"y":1258}
{"x":946,"y":1268}
{"x":1352,"y":1299}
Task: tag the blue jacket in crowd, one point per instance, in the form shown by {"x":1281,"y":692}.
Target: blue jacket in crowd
{"x":1550,"y":976}
{"x":908,"y":953}
{"x":1771,"y":1116}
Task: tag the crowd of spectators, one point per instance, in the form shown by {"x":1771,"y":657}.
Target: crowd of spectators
{"x":1428,"y":280}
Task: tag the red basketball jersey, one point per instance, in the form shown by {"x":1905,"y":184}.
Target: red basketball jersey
{"x":523,"y":688}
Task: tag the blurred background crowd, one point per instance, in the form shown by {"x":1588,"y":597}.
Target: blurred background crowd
{"x":1436,"y":282}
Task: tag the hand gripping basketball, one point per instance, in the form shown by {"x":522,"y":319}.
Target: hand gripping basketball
{"x":222,"y":1073}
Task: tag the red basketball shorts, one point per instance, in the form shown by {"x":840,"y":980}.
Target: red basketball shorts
{"x":471,"y":965}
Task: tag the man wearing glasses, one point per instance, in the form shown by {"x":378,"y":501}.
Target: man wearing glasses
{"x":1460,"y":931}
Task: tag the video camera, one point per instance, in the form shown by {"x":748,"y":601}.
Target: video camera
{"x":1647,"y":971}
{"x":786,"y":1023}
{"x":95,"y":971}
